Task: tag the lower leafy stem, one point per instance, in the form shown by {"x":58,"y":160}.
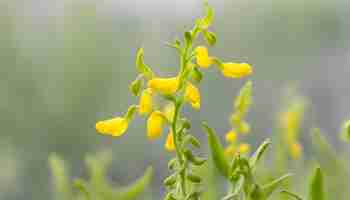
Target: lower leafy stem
{"x":179,"y":153}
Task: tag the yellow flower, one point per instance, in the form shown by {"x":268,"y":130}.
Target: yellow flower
{"x":155,"y":125}
{"x":243,"y":148}
{"x":115,"y":127}
{"x":202,"y":57}
{"x":244,"y":127}
{"x":230,"y":150}
{"x":192,"y":95}
{"x":169,"y":144}
{"x":295,"y":150}
{"x":231,"y":136}
{"x":164,"y":86}
{"x":146,"y":102}
{"x":236,"y":70}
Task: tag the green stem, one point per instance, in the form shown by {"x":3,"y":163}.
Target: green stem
{"x":177,"y":148}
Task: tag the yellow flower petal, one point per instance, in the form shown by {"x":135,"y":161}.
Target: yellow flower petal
{"x":295,"y":150}
{"x":231,"y":136}
{"x":115,"y":127}
{"x":169,"y":143}
{"x":146,"y":102}
{"x":243,"y":148}
{"x":202,"y":57}
{"x":192,"y":95}
{"x":164,"y":86}
{"x":236,"y":70}
{"x":155,"y":125}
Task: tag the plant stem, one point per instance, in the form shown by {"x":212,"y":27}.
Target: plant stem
{"x":177,"y":148}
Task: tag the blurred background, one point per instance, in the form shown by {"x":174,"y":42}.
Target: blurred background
{"x":66,"y":64}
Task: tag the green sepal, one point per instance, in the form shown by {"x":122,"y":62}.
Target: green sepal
{"x":190,"y":139}
{"x":134,"y":190}
{"x":197,"y":75}
{"x":194,"y":159}
{"x":210,"y":37}
{"x":316,"y":190}
{"x":193,"y":178}
{"x":141,"y":66}
{"x":217,"y":151}
{"x":170,"y":180}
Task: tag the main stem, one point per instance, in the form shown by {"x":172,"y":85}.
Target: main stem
{"x":177,"y":147}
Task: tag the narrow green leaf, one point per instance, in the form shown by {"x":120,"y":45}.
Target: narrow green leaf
{"x":259,"y":153}
{"x":130,"y":113}
{"x":136,"y":85}
{"x":133,"y":191}
{"x":141,"y":66}
{"x":60,"y":178}
{"x":295,"y":196}
{"x":217,"y":151}
{"x":269,"y":188}
{"x":316,"y":191}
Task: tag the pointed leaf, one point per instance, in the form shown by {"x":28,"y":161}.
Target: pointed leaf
{"x":61,"y":183}
{"x":269,"y":188}
{"x":259,"y":153}
{"x":316,"y":191}
{"x":217,"y":151}
{"x":133,"y":191}
{"x":141,"y":66}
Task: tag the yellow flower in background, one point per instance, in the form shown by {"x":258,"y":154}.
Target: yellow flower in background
{"x":236,"y":70}
{"x":244,"y":127}
{"x":243,"y":148}
{"x":165,"y":86}
{"x":192,"y":95}
{"x":169,"y":143}
{"x":115,"y":127}
{"x":295,"y":150}
{"x":231,"y":136}
{"x":230,"y":150}
{"x":155,"y":125}
{"x":146,"y":102}
{"x":202,"y":57}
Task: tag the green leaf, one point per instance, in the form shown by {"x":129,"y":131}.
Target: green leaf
{"x":81,"y":186}
{"x":208,"y":19}
{"x":136,"y":85}
{"x":244,"y":99}
{"x":269,"y":188}
{"x":188,"y":38}
{"x":130,"y":113}
{"x":133,"y":191}
{"x":345,"y":132}
{"x":316,"y":191}
{"x":210,"y":37}
{"x":141,"y":66}
{"x":259,"y":153}
{"x":217,"y":151}
{"x":197,"y":75}
{"x":295,"y":196}
{"x":61,"y":182}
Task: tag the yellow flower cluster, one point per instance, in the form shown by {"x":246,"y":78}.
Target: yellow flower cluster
{"x":290,"y":122}
{"x":182,"y":88}
{"x":241,"y":107}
